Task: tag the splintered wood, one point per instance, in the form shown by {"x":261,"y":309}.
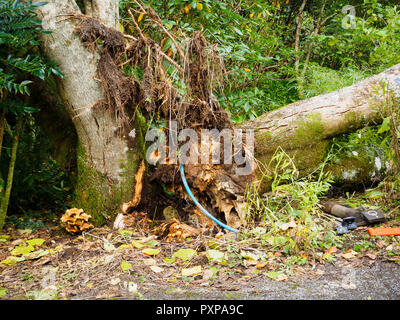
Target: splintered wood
{"x":137,"y":220}
{"x":129,"y":218}
{"x":138,"y":189}
{"x":175,"y":231}
{"x":75,"y":220}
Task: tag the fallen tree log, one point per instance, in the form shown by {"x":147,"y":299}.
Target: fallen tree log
{"x":304,"y":129}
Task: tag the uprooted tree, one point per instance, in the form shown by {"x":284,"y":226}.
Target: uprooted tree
{"x":99,"y":116}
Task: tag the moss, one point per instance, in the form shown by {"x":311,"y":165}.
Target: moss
{"x":352,"y":171}
{"x":308,"y":130}
{"x":96,"y":195}
{"x":306,"y":161}
{"x":264,"y":142}
{"x":350,"y":120}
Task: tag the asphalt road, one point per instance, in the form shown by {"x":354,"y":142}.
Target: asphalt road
{"x":380,"y":281}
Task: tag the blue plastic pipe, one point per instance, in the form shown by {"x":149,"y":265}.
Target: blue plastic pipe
{"x":200,"y":206}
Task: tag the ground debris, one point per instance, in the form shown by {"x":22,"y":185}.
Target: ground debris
{"x":175,"y":231}
{"x":135,"y":219}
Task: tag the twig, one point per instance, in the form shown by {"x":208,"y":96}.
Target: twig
{"x":298,"y":31}
{"x":156,"y":18}
{"x":157,"y":47}
{"x":136,"y":26}
{"x":310,"y":47}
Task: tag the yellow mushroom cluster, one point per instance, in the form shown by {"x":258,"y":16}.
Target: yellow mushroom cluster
{"x":75,"y":220}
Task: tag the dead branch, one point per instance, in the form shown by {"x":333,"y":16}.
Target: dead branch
{"x":155,"y":45}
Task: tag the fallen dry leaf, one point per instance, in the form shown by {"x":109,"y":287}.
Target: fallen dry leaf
{"x":371,"y":256}
{"x":261,"y":265}
{"x":156,"y":269}
{"x":350,"y":254}
{"x":191,"y":272}
{"x":150,"y":262}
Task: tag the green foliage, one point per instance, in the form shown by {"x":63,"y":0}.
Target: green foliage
{"x":322,"y":80}
{"x":256,"y":41}
{"x":290,"y":212}
{"x":371,"y":45}
{"x":19,"y":32}
{"x":20,"y":63}
{"x":249,"y":40}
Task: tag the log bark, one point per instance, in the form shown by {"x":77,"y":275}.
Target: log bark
{"x":304,"y":129}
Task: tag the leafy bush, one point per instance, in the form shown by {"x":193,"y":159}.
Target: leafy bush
{"x":19,"y":32}
{"x":20,"y":63}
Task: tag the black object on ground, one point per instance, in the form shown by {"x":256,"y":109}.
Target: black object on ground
{"x":347,"y":224}
{"x":373,"y":216}
{"x":351,"y":217}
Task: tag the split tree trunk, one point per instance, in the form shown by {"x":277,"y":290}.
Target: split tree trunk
{"x":303,"y":129}
{"x":106,"y":165}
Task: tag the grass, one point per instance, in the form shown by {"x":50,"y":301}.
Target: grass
{"x":289,"y":217}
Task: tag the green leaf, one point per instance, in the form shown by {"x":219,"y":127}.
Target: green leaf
{"x":125,"y":266}
{"x":278,"y":276}
{"x":3,"y":292}
{"x":21,"y":250}
{"x":273,"y":275}
{"x":152,"y":243}
{"x":169,"y":260}
{"x":28,"y":231}
{"x":137,"y":244}
{"x":185,"y":254}
{"x":125,"y":233}
{"x":10,"y":261}
{"x":150,"y":252}
{"x":215,"y":255}
{"x":108,"y":246}
{"x":191,"y":272}
{"x":36,"y":242}
{"x":374,"y":194}
{"x":385,"y":126}
{"x":249,"y":256}
{"x":36,"y":254}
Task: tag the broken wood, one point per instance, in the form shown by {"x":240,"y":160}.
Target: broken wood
{"x":138,"y":189}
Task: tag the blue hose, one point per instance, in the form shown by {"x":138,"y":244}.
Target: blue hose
{"x":200,"y":206}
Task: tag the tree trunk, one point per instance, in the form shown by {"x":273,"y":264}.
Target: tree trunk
{"x":5,"y":197}
{"x":304,"y":129}
{"x":105,"y":163}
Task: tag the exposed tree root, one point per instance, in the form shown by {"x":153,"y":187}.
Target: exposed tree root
{"x":217,"y":186}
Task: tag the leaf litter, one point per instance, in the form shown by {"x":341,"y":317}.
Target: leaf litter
{"x":104,"y":263}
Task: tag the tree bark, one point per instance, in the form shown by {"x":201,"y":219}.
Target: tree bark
{"x":5,"y":197}
{"x":107,"y":11}
{"x":106,"y":164}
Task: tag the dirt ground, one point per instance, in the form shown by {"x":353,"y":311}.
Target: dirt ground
{"x":108,"y":264}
